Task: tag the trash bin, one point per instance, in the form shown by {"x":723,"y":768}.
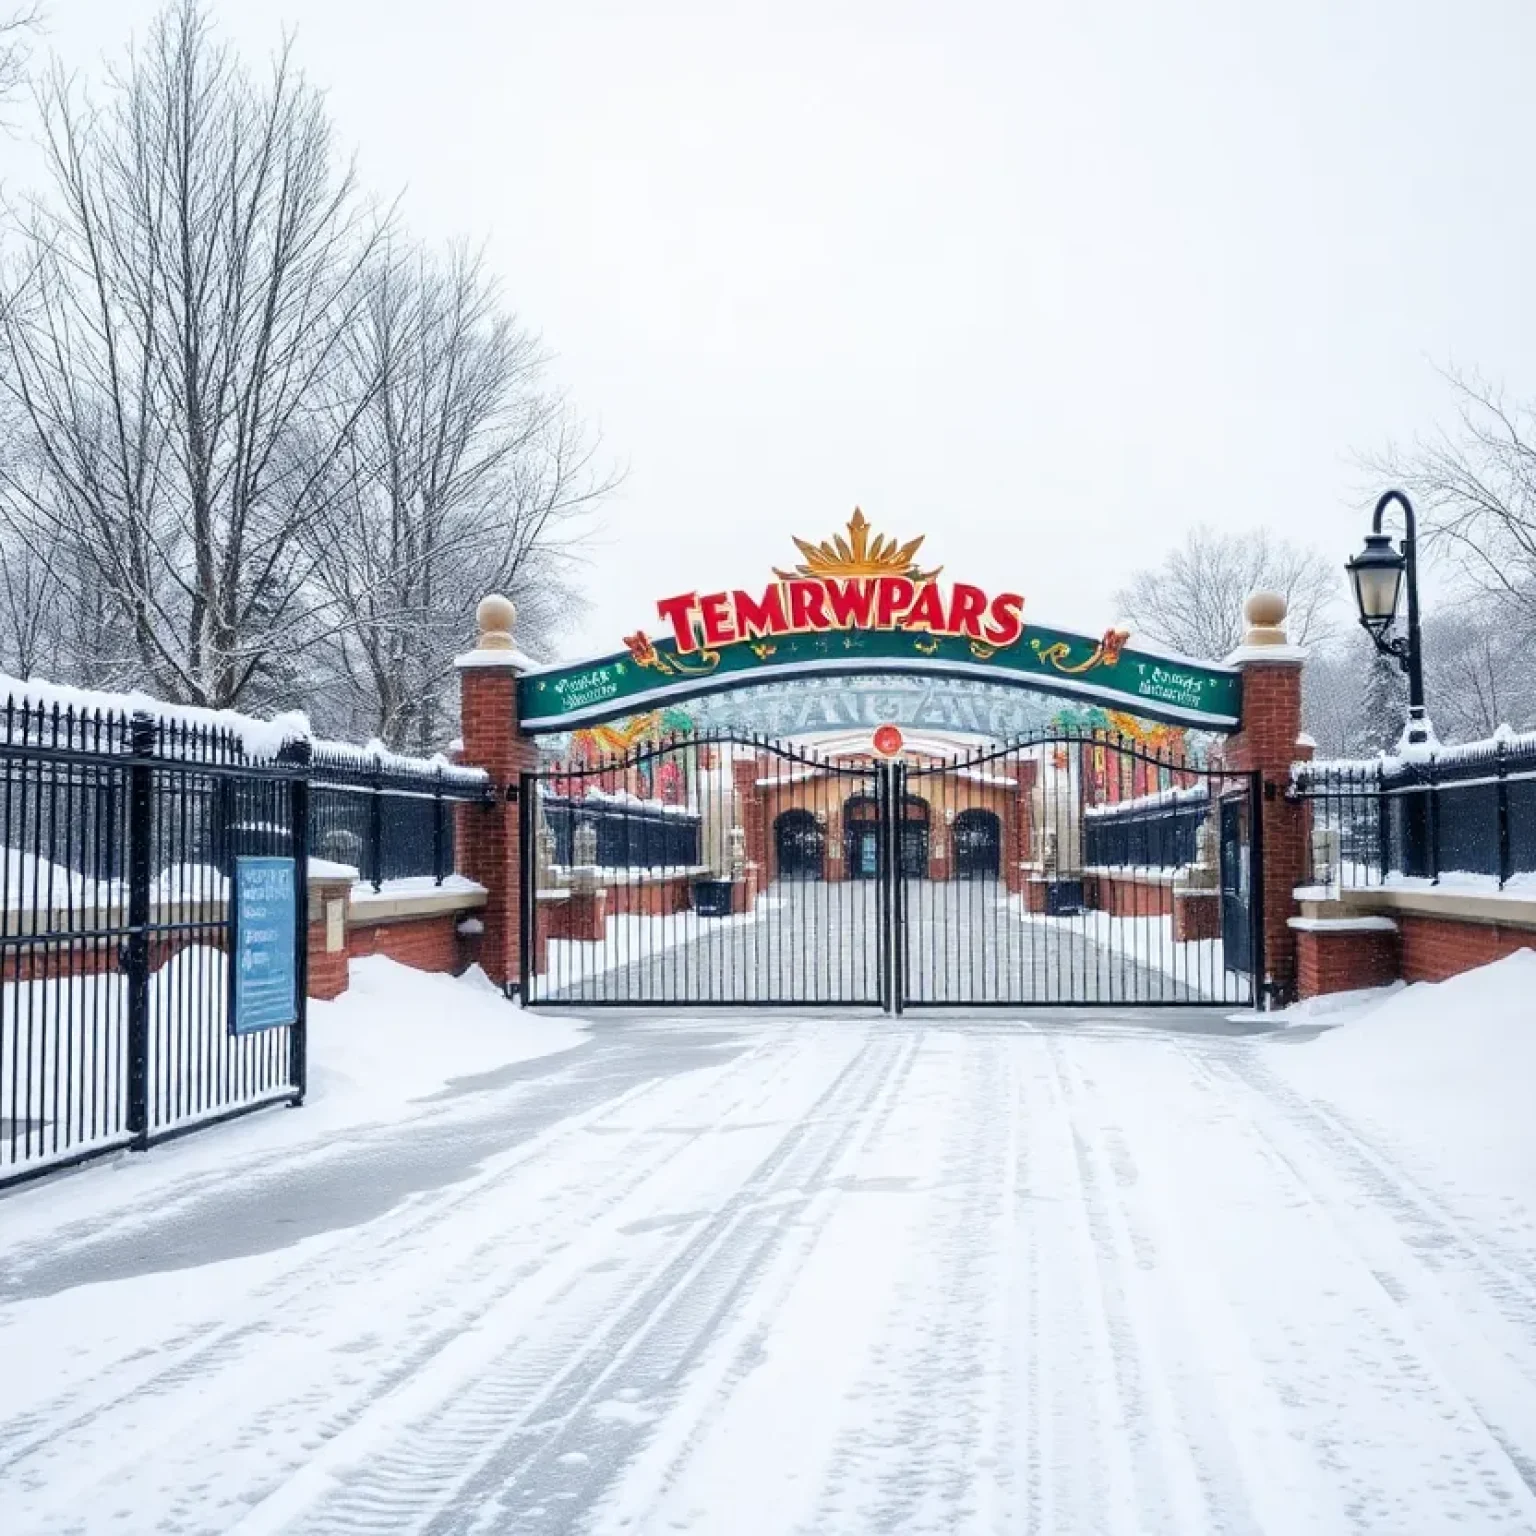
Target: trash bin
{"x":1063,"y":898}
{"x":712,"y":898}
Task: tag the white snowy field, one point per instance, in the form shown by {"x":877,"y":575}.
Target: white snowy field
{"x":1057,"y":1274}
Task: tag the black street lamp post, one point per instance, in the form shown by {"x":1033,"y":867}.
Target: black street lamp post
{"x":1378,"y":574}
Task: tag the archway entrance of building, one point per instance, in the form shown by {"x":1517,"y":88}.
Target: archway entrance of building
{"x":865,"y":835}
{"x":978,"y":843}
{"x":863,"y":824}
{"x":800,"y":846}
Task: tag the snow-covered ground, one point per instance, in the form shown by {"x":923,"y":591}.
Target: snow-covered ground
{"x":777,"y":1273}
{"x":633,"y":939}
{"x":1147,"y":942}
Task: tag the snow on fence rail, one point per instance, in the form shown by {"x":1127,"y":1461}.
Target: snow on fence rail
{"x":1156,"y":831}
{"x":630,"y":833}
{"x":1468,"y":811}
{"x":119,"y":830}
{"x":388,"y":816}
{"x":121,"y":819}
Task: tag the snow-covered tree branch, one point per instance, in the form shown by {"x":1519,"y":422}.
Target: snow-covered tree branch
{"x":268,"y":446}
{"x":1193,"y":601}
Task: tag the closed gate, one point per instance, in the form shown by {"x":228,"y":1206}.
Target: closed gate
{"x":1069,"y":869}
{"x":1077,"y":869}
{"x":715,"y":871}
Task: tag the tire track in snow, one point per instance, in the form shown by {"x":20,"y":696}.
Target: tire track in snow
{"x":1170,"y":1491}
{"x":1435,"y":1324}
{"x":1432,"y":1228}
{"x":934,"y":1370}
{"x":285,"y":1304}
{"x":463,"y":1443}
{"x":699,"y":1423}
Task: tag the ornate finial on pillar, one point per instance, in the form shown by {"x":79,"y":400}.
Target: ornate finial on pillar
{"x":495,"y":619}
{"x":1264,"y":615}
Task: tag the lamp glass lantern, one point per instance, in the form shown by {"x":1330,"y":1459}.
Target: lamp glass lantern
{"x":1377,"y":576}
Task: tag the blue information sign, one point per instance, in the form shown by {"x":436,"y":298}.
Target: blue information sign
{"x":266,"y":984}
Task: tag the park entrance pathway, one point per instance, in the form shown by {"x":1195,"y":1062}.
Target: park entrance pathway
{"x":777,"y":1273}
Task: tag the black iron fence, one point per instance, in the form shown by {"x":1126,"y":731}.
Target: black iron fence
{"x":390,"y":818}
{"x":1159,"y":831}
{"x":120,"y":835}
{"x":1465,"y":811}
{"x":120,"y":838}
{"x":627,"y":833}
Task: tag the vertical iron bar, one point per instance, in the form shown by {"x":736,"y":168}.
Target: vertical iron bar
{"x":1506,"y":863}
{"x":528,"y":905}
{"x":298,"y":820}
{"x":1434,"y":822}
{"x":1256,"y":888}
{"x":140,"y":786}
{"x":439,"y":839}
{"x":899,"y":891}
{"x":1383,"y":825}
{"x":376,"y":826}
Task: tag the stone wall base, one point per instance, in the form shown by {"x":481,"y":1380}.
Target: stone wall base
{"x":424,"y":944}
{"x":1128,"y":896}
{"x":1433,"y":949}
{"x":1196,"y":915}
{"x":1367,"y":939}
{"x":577,"y":915}
{"x":657,"y":897}
{"x":1345,"y":961}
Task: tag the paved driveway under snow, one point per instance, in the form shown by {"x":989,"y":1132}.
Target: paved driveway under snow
{"x":778,"y":1274}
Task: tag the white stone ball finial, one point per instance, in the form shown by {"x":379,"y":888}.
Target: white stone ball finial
{"x":1264,"y":615}
{"x":495,"y":618}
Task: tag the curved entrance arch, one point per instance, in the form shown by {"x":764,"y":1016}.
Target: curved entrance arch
{"x":977,"y":837}
{"x":862,"y":818}
{"x":861,"y":605}
{"x":799,"y":846}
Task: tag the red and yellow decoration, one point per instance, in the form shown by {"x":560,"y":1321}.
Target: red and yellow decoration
{"x":1105,"y":654}
{"x":860,"y":580}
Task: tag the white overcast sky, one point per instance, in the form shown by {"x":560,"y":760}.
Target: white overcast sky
{"x":1047,"y":281}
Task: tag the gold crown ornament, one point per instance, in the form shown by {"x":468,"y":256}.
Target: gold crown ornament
{"x":858,"y":555}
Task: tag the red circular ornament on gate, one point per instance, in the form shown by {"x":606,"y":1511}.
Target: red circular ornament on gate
{"x":888,"y":740}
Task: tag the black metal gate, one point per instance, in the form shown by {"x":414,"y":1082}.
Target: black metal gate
{"x":1078,"y":869}
{"x":120,"y":835}
{"x":728,"y":870}
{"x":719,"y":870}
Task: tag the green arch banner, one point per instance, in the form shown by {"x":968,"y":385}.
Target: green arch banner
{"x":859,"y":605}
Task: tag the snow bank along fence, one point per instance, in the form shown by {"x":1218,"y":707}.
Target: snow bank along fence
{"x":1418,"y":867}
{"x":122,"y":820}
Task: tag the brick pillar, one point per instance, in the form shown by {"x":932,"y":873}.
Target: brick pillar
{"x":754,"y":821}
{"x":1267,"y":739}
{"x":329,"y":896}
{"x":489,"y":842}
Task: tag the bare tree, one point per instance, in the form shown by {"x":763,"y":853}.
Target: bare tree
{"x":1475,"y":485}
{"x":16,"y":34}
{"x":1193,"y":601}
{"x":174,"y":338}
{"x":32,"y":617}
{"x":464,"y":475}
{"x":1478,"y":672}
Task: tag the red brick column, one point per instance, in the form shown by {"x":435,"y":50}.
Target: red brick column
{"x":754,"y":820}
{"x":488,"y":837}
{"x":1267,"y":740}
{"x":327,"y":947}
{"x":1334,"y":956}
